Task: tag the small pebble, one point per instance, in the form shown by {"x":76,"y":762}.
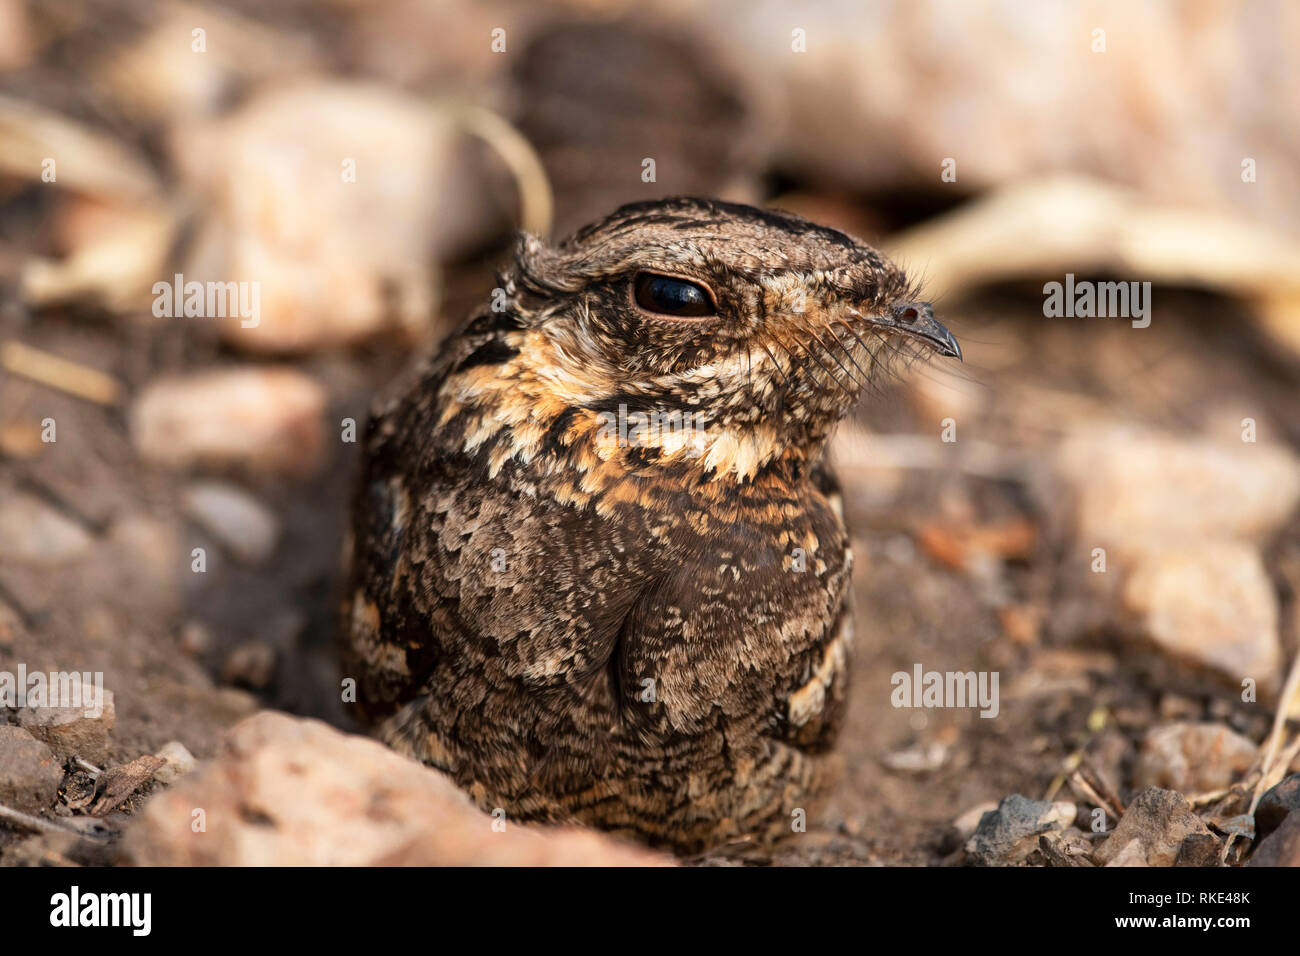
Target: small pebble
{"x":179,"y":762}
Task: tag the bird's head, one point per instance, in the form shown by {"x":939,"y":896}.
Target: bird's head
{"x":696,"y":333}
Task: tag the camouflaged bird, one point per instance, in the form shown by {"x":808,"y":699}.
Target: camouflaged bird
{"x":599,"y":567}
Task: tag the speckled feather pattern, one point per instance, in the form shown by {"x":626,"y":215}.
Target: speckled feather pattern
{"x":649,"y":637}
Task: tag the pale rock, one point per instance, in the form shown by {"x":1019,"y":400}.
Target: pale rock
{"x":1192,"y":758}
{"x":74,"y":731}
{"x":1151,"y":832}
{"x":1181,"y":521}
{"x":1130,"y":854}
{"x":260,"y":418}
{"x":1133,"y":490}
{"x":1212,"y":605}
{"x":288,"y":791}
{"x":33,"y":533}
{"x":179,"y":762}
{"x":859,"y":85}
{"x":326,"y":194}
{"x":243,"y":525}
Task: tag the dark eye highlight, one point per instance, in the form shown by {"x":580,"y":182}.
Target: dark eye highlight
{"x":665,"y":295}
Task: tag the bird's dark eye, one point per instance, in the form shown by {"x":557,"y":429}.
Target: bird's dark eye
{"x":665,"y":295}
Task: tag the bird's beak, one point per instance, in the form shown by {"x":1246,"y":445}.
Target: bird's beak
{"x":917,"y":320}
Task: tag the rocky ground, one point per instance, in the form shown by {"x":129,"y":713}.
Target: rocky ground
{"x":1113,"y":532}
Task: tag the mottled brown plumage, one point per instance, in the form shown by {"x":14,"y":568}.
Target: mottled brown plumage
{"x":640,"y":628}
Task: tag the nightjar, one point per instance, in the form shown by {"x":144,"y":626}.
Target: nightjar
{"x":599,"y":570}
